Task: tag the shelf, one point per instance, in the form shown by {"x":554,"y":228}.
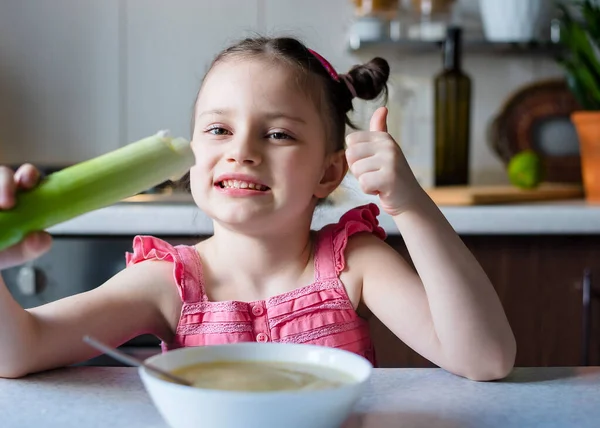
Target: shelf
{"x":469,"y":46}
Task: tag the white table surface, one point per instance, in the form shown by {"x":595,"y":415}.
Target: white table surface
{"x":429,"y":398}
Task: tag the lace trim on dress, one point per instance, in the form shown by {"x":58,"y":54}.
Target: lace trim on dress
{"x":303,"y":291}
{"x":214,"y":328}
{"x":224,"y":306}
{"x":200,"y":275}
{"x":335,"y":305}
{"x":315,"y":334}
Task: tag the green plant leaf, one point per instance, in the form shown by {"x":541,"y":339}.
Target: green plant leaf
{"x":580,"y":57}
{"x":576,"y":88}
{"x":587,"y":81}
{"x":575,"y":84}
{"x":591,"y":15}
{"x":583,"y":47}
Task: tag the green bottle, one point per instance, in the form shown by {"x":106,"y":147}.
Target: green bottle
{"x":452,"y":106}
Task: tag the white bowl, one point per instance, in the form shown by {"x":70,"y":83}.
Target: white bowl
{"x":183,"y":406}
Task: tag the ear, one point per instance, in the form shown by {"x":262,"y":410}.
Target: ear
{"x":335,"y":170}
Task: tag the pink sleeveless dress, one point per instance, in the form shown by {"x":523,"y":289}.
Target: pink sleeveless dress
{"x":319,"y":313}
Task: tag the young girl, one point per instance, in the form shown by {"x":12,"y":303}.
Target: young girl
{"x":269,"y":140}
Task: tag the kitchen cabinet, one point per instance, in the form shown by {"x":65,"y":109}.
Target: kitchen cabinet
{"x":539,"y":282}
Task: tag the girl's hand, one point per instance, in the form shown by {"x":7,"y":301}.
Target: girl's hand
{"x":35,"y":244}
{"x":378,"y":164}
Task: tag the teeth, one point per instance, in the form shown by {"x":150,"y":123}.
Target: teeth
{"x":235,"y":184}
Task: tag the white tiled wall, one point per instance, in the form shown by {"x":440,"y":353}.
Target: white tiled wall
{"x":80,"y":78}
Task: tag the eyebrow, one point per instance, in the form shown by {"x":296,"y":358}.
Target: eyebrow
{"x":273,"y":116}
{"x":269,"y":116}
{"x":215,"y":111}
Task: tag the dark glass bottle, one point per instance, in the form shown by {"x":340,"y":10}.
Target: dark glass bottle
{"x":452,"y":106}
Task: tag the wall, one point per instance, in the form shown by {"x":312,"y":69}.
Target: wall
{"x":59,"y":80}
{"x":80,"y":78}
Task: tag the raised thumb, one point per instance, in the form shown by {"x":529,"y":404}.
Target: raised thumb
{"x":379,"y":120}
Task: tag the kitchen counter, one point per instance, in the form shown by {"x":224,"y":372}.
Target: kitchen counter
{"x":178,"y":215}
{"x":530,"y":397}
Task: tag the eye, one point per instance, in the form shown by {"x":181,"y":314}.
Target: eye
{"x":218,"y":130}
{"x":280,"y":136}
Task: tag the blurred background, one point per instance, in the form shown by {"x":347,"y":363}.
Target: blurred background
{"x":79,"y":78}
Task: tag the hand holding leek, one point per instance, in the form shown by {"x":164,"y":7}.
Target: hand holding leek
{"x":35,"y":244}
{"x":84,"y":187}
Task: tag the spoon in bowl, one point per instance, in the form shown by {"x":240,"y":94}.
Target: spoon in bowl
{"x":132,"y":361}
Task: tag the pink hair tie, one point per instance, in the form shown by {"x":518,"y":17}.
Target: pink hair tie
{"x":348,"y":81}
{"x":327,"y":65}
{"x":334,"y":75}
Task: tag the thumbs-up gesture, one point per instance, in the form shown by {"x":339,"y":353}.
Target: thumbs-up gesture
{"x":378,"y":164}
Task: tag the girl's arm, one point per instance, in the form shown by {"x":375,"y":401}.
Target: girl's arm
{"x":448,"y":311}
{"x":141,"y":299}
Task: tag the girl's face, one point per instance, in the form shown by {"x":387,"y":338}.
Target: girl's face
{"x":260,"y":147}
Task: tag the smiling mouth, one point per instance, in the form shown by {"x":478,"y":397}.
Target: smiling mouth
{"x":238,"y":184}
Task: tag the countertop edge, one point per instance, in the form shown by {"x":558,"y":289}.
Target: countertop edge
{"x":574,"y":217}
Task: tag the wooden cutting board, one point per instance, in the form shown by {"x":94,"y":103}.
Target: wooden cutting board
{"x":503,"y":194}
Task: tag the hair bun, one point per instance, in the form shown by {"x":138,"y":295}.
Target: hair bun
{"x":370,"y":79}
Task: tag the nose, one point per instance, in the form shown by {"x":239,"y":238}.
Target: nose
{"x":245,"y":151}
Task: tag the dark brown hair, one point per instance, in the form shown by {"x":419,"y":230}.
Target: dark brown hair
{"x":369,"y":80}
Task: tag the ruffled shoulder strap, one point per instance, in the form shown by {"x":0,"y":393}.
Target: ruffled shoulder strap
{"x":333,"y":238}
{"x":187,"y":269}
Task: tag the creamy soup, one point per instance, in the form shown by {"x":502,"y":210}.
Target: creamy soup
{"x":262,"y":376}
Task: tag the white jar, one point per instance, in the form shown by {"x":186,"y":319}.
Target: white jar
{"x":513,"y":20}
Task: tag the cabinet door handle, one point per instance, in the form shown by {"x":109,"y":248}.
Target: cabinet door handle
{"x":586,"y":316}
{"x":27,"y":280}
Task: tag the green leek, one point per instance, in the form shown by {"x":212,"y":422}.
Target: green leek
{"x":94,"y":184}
